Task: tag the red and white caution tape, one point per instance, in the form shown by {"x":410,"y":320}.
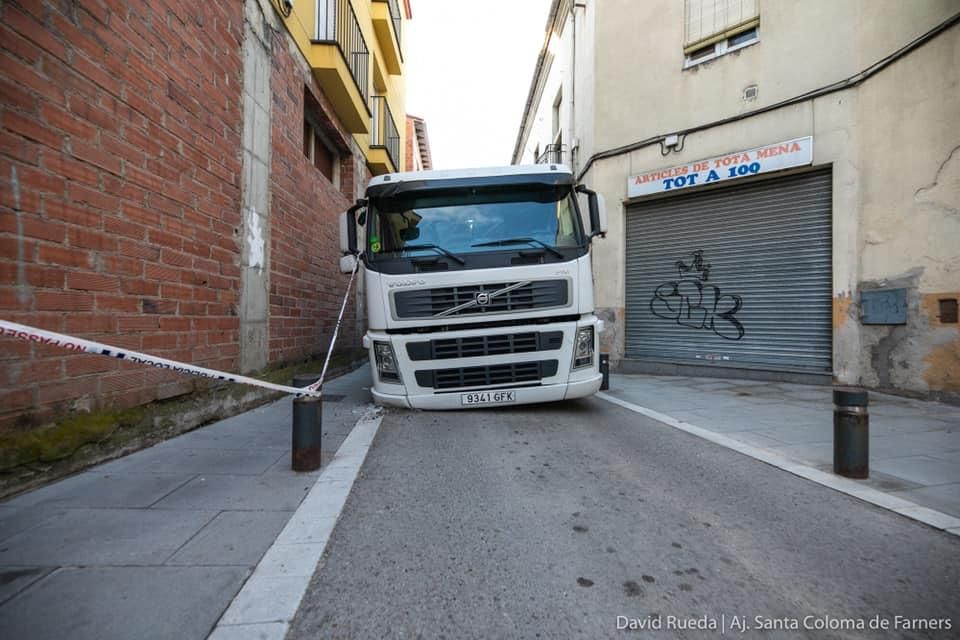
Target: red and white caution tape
{"x":336,"y":330}
{"x":41,"y":336}
{"x":32,"y":334}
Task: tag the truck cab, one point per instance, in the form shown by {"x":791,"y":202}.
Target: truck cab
{"x":478,"y":286}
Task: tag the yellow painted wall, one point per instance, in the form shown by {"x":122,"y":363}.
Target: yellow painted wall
{"x":302,"y":26}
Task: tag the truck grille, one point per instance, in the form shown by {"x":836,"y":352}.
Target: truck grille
{"x":473,"y":346}
{"x":497,"y":374}
{"x":427,"y":303}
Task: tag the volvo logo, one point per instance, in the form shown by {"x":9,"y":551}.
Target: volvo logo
{"x":482,"y":299}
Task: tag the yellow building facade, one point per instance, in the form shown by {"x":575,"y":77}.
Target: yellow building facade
{"x":355,"y":51}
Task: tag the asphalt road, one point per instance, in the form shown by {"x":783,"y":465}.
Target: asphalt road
{"x":571,"y":519}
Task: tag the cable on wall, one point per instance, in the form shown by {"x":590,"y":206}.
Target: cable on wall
{"x":840,"y":85}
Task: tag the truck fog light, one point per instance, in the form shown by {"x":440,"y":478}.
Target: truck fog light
{"x":386,"y":362}
{"x":583,"y":348}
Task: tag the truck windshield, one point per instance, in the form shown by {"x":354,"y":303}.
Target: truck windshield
{"x":474,"y":220}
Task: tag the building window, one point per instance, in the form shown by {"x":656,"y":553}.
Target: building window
{"x":715,"y":27}
{"x":316,"y":143}
{"x":318,"y":152}
{"x":557,"y":103}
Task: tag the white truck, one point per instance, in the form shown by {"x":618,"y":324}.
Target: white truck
{"x":478,"y":286}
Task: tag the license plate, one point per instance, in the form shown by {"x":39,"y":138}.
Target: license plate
{"x":487,"y":397}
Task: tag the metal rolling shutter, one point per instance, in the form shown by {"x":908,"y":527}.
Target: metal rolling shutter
{"x":759,"y":294}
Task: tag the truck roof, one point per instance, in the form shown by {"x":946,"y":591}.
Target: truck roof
{"x":394,"y":183}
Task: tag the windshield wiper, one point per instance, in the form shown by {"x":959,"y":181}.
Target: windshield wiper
{"x":503,"y":243}
{"x":417,"y":247}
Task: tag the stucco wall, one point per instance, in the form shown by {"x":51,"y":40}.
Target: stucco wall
{"x":892,"y":142}
{"x":568,"y":68}
{"x":909,"y":140}
{"x":642,"y":89}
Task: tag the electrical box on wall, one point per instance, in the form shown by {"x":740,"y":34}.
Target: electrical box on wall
{"x":883,"y":306}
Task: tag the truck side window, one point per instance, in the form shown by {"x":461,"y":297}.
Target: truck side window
{"x":566,"y":225}
{"x":396,"y":229}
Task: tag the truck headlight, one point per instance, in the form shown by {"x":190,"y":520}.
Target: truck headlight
{"x":583,"y":348}
{"x":386,"y":362}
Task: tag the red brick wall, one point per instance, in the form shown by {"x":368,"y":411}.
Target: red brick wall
{"x":306,"y":286}
{"x":120,"y":209}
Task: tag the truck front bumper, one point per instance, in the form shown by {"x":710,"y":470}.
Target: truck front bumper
{"x":525,"y":395}
{"x":543,"y":374}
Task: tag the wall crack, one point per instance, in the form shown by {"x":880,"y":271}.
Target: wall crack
{"x":942,"y":192}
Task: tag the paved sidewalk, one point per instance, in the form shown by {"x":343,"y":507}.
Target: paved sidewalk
{"x":914,"y":444}
{"x":158,"y":543}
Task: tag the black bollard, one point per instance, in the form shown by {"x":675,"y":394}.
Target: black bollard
{"x":851,"y":433}
{"x":307,"y":426}
{"x":605,"y":370}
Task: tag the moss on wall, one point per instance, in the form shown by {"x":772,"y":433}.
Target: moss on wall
{"x":62,"y":438}
{"x":32,"y":456}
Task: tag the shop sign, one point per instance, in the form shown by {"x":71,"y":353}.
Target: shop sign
{"x":740,"y":164}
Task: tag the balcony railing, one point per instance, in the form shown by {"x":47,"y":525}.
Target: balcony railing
{"x":552,"y":154}
{"x":336,"y":22}
{"x":385,"y":133}
{"x":394,"y":17}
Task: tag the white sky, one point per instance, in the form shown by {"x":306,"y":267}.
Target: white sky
{"x":468,"y":66}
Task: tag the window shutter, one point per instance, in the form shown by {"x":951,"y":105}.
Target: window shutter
{"x":709,"y":21}
{"x":322,"y":158}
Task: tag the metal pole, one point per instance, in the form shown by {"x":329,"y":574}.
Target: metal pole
{"x":605,"y":370}
{"x":307,"y":426}
{"x":851,"y":433}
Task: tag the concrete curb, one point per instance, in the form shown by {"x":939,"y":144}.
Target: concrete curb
{"x":269,"y":600}
{"x":931,"y":517}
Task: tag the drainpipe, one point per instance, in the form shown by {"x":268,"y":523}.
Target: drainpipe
{"x":573,"y":87}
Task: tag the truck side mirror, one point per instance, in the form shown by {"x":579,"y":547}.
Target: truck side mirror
{"x":348,"y":233}
{"x":348,"y":229}
{"x":348,"y":263}
{"x":598,"y":228}
{"x":598,"y":211}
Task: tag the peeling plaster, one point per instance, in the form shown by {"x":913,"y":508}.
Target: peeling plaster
{"x":893,"y":354}
{"x":846,"y":339}
{"x":908,"y":279}
{"x":842,"y":309}
{"x":256,"y":246}
{"x":887,"y":356}
{"x":942,"y":363}
{"x":611,"y":338}
{"x":919,"y":357}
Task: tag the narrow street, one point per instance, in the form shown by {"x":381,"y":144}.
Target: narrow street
{"x":553,"y":520}
{"x":424,"y":319}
